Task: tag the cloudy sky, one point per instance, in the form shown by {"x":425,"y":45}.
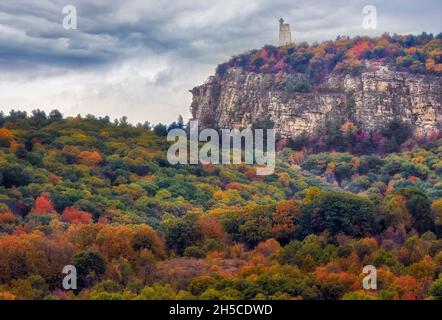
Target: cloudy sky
{"x":139,"y":58}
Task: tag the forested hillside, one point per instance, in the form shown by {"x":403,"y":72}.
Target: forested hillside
{"x":103,"y":197}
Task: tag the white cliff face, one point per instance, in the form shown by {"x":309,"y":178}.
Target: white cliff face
{"x":371,"y":100}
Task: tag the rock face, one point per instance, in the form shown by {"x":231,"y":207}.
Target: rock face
{"x":372,"y":99}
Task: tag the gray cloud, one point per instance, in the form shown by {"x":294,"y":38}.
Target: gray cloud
{"x":139,"y":58}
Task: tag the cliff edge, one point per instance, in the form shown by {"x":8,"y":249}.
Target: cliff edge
{"x":239,"y":96}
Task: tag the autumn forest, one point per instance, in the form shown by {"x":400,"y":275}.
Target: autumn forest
{"x":102,"y":196}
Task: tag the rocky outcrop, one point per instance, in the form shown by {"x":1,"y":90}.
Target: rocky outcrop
{"x":372,"y":99}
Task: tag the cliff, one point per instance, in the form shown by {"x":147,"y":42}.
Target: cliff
{"x":371,"y":99}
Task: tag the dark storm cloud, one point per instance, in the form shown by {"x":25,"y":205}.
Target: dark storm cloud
{"x":163,"y":48}
{"x":113,"y":30}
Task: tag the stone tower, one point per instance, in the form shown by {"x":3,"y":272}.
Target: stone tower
{"x":285,"y":36}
